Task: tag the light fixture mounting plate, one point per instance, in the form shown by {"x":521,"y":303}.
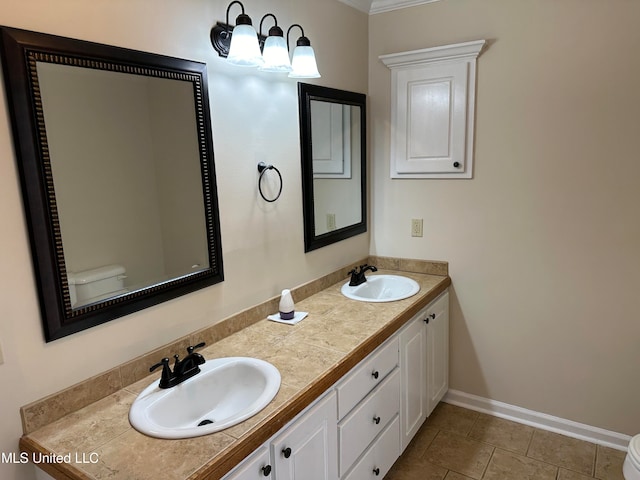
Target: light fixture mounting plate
{"x":221,"y":38}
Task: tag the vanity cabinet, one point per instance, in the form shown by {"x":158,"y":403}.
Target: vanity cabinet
{"x":306,"y":449}
{"x":360,"y":426}
{"x":424,"y":365}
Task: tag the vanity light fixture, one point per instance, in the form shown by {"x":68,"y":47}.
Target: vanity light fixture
{"x":240,"y":43}
{"x":275,"y":53}
{"x":303,"y":62}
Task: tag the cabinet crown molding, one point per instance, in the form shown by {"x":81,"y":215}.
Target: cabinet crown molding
{"x":457,"y":51}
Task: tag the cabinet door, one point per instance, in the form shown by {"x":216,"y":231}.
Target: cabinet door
{"x":413,"y":366}
{"x":255,"y":467}
{"x":308,"y":448}
{"x":438,"y":351}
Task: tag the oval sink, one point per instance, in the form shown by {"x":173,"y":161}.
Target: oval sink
{"x":382,"y":288}
{"x":226,"y":392}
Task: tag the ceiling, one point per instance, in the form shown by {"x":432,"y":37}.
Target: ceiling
{"x":379,"y":6}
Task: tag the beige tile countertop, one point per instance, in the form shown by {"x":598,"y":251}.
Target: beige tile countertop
{"x":96,"y":441}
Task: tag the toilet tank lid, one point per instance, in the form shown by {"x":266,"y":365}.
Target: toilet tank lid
{"x":94,"y":274}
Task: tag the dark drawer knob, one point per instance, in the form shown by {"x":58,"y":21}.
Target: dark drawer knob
{"x":376,"y":420}
{"x":375,"y":374}
{"x":286,"y":452}
{"x":456,"y":164}
{"x":376,"y":471}
{"x":266,"y":470}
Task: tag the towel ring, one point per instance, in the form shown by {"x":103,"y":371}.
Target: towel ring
{"x":262,"y":168}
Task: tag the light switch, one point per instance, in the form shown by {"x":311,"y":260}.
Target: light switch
{"x":331,"y":221}
{"x":416,"y":227}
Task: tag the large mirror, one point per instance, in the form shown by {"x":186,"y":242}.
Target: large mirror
{"x":115,"y":156}
{"x":333,"y":146}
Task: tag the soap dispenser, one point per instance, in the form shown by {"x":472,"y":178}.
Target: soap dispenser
{"x":286,"y":307}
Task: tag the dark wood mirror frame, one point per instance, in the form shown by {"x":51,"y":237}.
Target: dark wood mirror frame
{"x":307,"y":93}
{"x":20,"y":51}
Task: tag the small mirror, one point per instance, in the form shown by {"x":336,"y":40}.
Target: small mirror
{"x":333,"y":146}
{"x":116,"y":162}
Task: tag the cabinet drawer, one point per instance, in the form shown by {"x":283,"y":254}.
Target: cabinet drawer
{"x":380,"y":457}
{"x":365,"y":377}
{"x":368,"y":419}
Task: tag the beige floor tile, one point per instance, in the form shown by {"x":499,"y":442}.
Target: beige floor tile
{"x":502,"y":433}
{"x":458,"y":453}
{"x":420,"y":442}
{"x":416,"y":469}
{"x":456,"y":476}
{"x":569,"y":475}
{"x":609,"y":463}
{"x":511,"y":466}
{"x":562,"y":451}
{"x":452,"y":418}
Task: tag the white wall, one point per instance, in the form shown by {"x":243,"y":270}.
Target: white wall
{"x":544,"y":241}
{"x":254,"y":118}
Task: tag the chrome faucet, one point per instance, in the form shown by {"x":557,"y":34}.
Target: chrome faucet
{"x":358,"y":277}
{"x":182,"y":369}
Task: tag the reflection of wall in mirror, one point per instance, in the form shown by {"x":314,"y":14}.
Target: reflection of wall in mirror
{"x":340,"y":196}
{"x":108,"y":176}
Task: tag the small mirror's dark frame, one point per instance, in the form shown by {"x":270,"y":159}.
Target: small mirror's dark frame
{"x":307,"y":93}
{"x":21,"y":50}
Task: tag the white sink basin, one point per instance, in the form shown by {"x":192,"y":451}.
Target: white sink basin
{"x":226,"y":392}
{"x":382,"y":288}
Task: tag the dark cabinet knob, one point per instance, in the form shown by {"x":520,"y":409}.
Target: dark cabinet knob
{"x":376,"y":420}
{"x":266,"y":470}
{"x":375,"y":374}
{"x":286,"y":452}
{"x":376,"y":471}
{"x":456,"y":164}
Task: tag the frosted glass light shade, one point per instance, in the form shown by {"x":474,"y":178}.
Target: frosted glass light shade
{"x":275,"y":55}
{"x":303,"y":63}
{"x":244,"y":50}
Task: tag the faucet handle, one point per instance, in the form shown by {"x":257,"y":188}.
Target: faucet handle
{"x":163,"y":363}
{"x":167,"y":374}
{"x":191,"y":348}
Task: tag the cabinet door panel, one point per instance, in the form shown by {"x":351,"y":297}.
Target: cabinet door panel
{"x":308,"y":449}
{"x":413,"y":365}
{"x":438,"y":352}
{"x":255,"y":467}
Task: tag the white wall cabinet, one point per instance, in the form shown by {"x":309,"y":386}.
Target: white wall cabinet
{"x":424,"y":364}
{"x":432,"y":111}
{"x":358,"y":429}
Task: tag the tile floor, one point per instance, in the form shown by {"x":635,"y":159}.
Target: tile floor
{"x":460,"y":444}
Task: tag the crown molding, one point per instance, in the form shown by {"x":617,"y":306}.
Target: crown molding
{"x":379,"y":6}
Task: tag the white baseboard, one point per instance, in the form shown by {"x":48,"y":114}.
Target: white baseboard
{"x":543,"y":421}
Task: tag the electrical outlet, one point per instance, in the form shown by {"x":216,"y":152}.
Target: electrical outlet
{"x":331,"y":221}
{"x":416,"y":227}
